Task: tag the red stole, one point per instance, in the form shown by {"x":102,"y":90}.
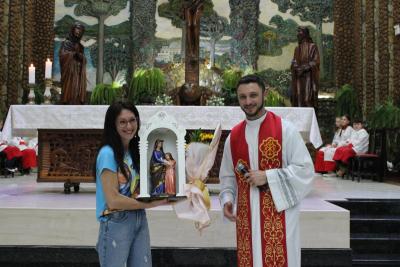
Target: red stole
{"x":273,"y":232}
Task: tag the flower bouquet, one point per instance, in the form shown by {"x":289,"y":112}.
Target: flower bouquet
{"x":199,"y":160}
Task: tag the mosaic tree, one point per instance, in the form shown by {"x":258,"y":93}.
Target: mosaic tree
{"x":243,"y":29}
{"x":101,"y":10}
{"x":143,"y":26}
{"x":315,"y":11}
{"x":213,"y":27}
{"x":116,"y":55}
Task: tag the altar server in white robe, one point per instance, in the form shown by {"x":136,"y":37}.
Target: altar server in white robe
{"x":266,"y":171}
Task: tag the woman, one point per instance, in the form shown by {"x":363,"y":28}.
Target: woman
{"x":124,"y":234}
{"x":170,"y":175}
{"x":157,"y":169}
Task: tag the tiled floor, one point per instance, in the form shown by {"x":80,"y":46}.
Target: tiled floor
{"x":25,"y":192}
{"x":333,"y":188}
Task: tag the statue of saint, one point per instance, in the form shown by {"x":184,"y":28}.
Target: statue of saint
{"x":170,"y":175}
{"x":157,"y":169}
{"x":305,"y":71}
{"x":73,"y":67}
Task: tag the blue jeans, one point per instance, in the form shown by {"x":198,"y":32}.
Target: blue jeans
{"x":124,"y":239}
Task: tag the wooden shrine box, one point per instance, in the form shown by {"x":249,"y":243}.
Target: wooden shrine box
{"x":67,"y":155}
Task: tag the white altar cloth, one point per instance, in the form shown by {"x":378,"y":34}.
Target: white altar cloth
{"x":24,"y":120}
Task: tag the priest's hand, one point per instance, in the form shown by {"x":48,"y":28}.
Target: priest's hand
{"x":256,"y":178}
{"x":228,"y":211}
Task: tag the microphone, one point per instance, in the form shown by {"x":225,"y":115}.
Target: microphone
{"x":241,"y":168}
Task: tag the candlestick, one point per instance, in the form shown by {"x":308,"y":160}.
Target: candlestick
{"x":49,"y":65}
{"x":47,"y":92}
{"x":32,"y":74}
{"x":31,"y":95}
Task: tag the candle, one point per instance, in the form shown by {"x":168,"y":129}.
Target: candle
{"x":31,"y":74}
{"x":49,"y":64}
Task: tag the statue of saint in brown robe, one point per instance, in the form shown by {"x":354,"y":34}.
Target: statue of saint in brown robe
{"x":305,"y":71}
{"x":73,"y":67}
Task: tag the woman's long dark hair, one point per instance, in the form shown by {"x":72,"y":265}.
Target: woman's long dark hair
{"x":113,"y":139}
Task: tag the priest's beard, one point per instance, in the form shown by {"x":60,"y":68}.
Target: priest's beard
{"x":256,"y":114}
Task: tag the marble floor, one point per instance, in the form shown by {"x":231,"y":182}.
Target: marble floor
{"x":25,"y":192}
{"x":34,"y":213}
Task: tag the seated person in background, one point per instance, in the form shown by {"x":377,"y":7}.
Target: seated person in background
{"x":345,"y":132}
{"x":324,"y":157}
{"x":11,"y":154}
{"x":358,"y":143}
{"x":28,"y":154}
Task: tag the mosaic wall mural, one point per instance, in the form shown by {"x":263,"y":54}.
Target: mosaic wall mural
{"x":223,"y":26}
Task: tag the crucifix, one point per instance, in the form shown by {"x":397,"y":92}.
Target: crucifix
{"x":193,"y":10}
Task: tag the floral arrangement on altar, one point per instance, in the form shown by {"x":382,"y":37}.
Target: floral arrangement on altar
{"x":200,"y":136}
{"x":163,"y":100}
{"x":200,"y":156}
{"x":215,"y":101}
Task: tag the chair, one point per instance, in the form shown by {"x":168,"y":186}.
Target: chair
{"x":369,"y":164}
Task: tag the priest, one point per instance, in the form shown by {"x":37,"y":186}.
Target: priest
{"x":266,"y":171}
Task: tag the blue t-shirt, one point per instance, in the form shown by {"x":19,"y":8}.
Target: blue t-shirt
{"x":127,"y":187}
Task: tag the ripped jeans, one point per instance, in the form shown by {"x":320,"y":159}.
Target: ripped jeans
{"x":124,"y":240}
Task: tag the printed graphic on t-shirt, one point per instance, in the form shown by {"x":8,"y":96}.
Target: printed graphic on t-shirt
{"x":128,"y":186}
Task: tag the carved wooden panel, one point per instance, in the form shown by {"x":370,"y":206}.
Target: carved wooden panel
{"x":67,"y":155}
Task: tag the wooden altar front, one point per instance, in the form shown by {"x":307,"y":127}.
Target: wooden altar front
{"x":68,"y":156}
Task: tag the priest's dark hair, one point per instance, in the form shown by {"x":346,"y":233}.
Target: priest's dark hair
{"x":251,"y":78}
{"x":113,"y":139}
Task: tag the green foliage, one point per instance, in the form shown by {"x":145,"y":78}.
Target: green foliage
{"x":280,"y":80}
{"x":230,"y":79}
{"x":63,"y":27}
{"x":347,"y":103}
{"x":200,"y":136}
{"x":308,"y":10}
{"x":386,"y":116}
{"x":146,"y":85}
{"x":105,"y":94}
{"x":173,"y":10}
{"x":39,"y":91}
{"x":116,"y":56}
{"x":96,"y":8}
{"x":274,"y":99}
{"x":271,"y":39}
{"x":213,"y":26}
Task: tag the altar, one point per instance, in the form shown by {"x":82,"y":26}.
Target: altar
{"x":70,"y":135}
{"x":25,"y":120}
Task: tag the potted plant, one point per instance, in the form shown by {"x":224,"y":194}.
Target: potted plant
{"x":146,"y":85}
{"x":105,"y":94}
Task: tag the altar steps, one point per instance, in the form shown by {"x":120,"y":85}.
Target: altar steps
{"x":374,"y":231}
{"x":40,"y":256}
